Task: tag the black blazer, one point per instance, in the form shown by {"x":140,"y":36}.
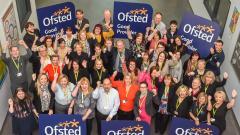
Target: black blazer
{"x":37,"y":99}
{"x":92,"y":42}
{"x":29,"y":39}
{"x":84,"y":21}
{"x":150,"y":101}
{"x":161,"y":88}
{"x":184,"y":107}
{"x":81,"y":57}
{"x":35,"y":60}
{"x":83,"y":72}
{"x":211,"y":89}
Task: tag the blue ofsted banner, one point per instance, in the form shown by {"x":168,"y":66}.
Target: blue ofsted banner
{"x":122,"y":127}
{"x":181,"y":126}
{"x":61,"y":124}
{"x":136,"y":15}
{"x":200,"y":32}
{"x":53,"y":18}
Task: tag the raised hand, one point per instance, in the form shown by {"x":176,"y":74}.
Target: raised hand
{"x":234,"y":93}
{"x":211,"y":50}
{"x":225,"y":75}
{"x":34,"y":77}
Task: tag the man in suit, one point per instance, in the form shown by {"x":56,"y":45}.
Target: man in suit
{"x":81,"y":23}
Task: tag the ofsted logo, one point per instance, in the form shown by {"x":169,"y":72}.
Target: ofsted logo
{"x":130,"y":130}
{"x":62,"y":15}
{"x":137,"y":15}
{"x":64,"y":128}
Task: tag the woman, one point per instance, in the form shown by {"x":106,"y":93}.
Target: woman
{"x":99,"y":35}
{"x":127,"y":91}
{"x":40,"y":59}
{"x":75,"y":72}
{"x":131,"y":69}
{"x":137,"y":44}
{"x":195,"y":89}
{"x":151,"y":78}
{"x":166,"y":91}
{"x":209,"y":84}
{"x":199,"y":71}
{"x":51,"y":47}
{"x":219,"y":109}
{"x":63,"y":90}
{"x":190,"y":66}
{"x":43,"y":96}
{"x":154,"y":38}
{"x":22,"y":110}
{"x":99,"y":73}
{"x":144,"y":103}
{"x":145,"y":62}
{"x":181,"y":103}
{"x":176,"y":71}
{"x":155,"y":53}
{"x":163,"y":64}
{"x":83,"y":102}
{"x":62,"y":50}
{"x":178,"y":46}
{"x":86,"y":44}
{"x":200,"y":109}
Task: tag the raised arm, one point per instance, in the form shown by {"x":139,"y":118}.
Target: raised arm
{"x":233,"y":100}
{"x":54,"y":83}
{"x":29,"y":52}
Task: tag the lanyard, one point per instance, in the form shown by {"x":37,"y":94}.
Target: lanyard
{"x":76,"y":76}
{"x":214,"y":110}
{"x":153,"y":83}
{"x":205,"y":88}
{"x":166,"y":90}
{"x":127,"y":91}
{"x":82,"y":98}
{"x":99,"y":75}
{"x":199,"y":110}
{"x":55,"y":69}
{"x":177,"y":104}
{"x":140,"y":103}
{"x":17,"y":65}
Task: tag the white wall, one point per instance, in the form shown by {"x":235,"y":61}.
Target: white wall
{"x":229,"y":40}
{"x":5,"y":91}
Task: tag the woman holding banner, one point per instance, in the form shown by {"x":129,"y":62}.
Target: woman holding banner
{"x":83,"y":103}
{"x":127,"y":91}
{"x":220,"y":107}
{"x":199,"y":111}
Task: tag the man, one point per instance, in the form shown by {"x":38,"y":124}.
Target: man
{"x":107,"y":21}
{"x":32,"y":35}
{"x":158,"y":25}
{"x":108,"y":102}
{"x":70,"y":38}
{"x":120,"y":56}
{"x":81,"y":23}
{"x":17,"y":65}
{"x":54,"y":67}
{"x":216,"y":57}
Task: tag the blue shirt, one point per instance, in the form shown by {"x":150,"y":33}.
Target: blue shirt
{"x":64,"y":98}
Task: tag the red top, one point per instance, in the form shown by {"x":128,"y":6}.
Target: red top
{"x":126,"y":99}
{"x":51,"y":70}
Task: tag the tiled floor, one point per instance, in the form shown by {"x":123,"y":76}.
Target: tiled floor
{"x":171,"y":9}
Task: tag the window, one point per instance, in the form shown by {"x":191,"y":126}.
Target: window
{"x":218,"y":11}
{"x":24,"y":11}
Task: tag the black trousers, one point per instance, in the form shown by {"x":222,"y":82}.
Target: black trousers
{"x":161,"y":122}
{"x":122,"y":115}
{"x":99,"y":117}
{"x":89,"y":126}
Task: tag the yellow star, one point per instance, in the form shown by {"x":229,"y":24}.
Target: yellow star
{"x":198,"y":130}
{"x":55,"y":14}
{"x":74,"y":123}
{"x":207,"y":131}
{"x":204,"y":28}
{"x":129,"y":129}
{"x":66,"y":10}
{"x":138,"y":128}
{"x":210,"y":29}
{"x":143,"y":11}
{"x":60,"y":124}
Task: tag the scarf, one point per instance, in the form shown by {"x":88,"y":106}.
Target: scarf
{"x":45,"y":97}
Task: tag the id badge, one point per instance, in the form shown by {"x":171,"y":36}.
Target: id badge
{"x":124,"y":101}
{"x":19,"y":74}
{"x":105,"y":107}
{"x":212,"y":120}
{"x":81,"y":105}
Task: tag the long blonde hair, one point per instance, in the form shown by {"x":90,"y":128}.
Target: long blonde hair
{"x":39,"y":92}
{"x":85,"y":79}
{"x":99,"y":60}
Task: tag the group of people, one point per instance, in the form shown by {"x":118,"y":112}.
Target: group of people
{"x":91,"y":75}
